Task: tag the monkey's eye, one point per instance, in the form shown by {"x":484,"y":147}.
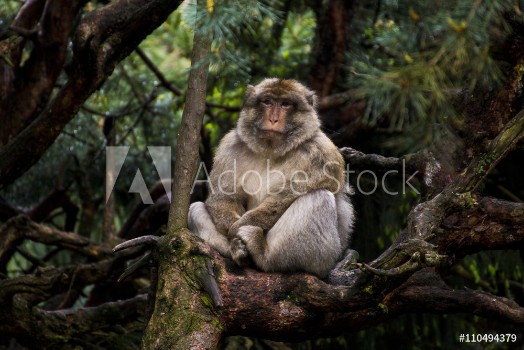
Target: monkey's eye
{"x":267,"y":102}
{"x":286,"y":104}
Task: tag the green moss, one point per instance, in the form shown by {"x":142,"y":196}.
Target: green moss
{"x":518,"y":213}
{"x":293,"y":298}
{"x":177,"y":317}
{"x":383,"y":307}
{"x":206,"y":300}
{"x":468,"y":200}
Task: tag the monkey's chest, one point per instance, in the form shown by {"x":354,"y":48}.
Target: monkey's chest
{"x":260,"y":180}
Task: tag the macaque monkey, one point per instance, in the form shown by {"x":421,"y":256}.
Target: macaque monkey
{"x":278,"y":194}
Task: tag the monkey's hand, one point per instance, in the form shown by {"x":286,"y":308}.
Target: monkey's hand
{"x":224,"y":212}
{"x":265,"y":215}
{"x":249,"y":239}
{"x":238,"y":251}
{"x":234,"y":228}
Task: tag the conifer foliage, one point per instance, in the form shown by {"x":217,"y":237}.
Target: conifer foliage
{"x":101,"y":99}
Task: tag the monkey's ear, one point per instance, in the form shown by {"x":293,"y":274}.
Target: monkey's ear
{"x":249,"y":91}
{"x":311,"y":98}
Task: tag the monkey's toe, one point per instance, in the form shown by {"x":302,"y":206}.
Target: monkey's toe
{"x":250,"y":233}
{"x":238,"y":251}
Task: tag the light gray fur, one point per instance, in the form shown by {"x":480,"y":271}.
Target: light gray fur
{"x":345,"y":215}
{"x":310,"y":236}
{"x":257,"y":207}
{"x":201,"y":224}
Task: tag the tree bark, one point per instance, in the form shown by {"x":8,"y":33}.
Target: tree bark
{"x":185,"y":276}
{"x":331,"y":44}
{"x":200,"y":295}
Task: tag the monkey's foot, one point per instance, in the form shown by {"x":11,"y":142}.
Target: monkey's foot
{"x":238,"y":251}
{"x":253,"y":237}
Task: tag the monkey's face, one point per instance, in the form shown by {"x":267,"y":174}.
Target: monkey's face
{"x":273,"y":111}
{"x":278,"y":115}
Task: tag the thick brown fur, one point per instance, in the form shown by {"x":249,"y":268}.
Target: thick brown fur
{"x":276,"y":155}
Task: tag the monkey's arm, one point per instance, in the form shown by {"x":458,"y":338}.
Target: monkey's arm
{"x":323,"y":168}
{"x":266,"y":214}
{"x":225,"y":210}
{"x":226,"y":201}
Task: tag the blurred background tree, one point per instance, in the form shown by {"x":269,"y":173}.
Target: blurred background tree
{"x":393,"y":77}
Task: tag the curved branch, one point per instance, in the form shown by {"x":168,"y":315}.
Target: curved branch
{"x":103,"y":38}
{"x":35,"y":80}
{"x":377,"y":162}
{"x":11,"y":48}
{"x":84,"y":325}
{"x":49,"y":281}
{"x":106,"y":318}
{"x":427,"y":216}
{"x":297,"y":307}
{"x":15,"y":230}
{"x":497,"y":149}
{"x":490,"y":224}
{"x":135,"y":242}
{"x":417,"y":261}
{"x":425,"y":292}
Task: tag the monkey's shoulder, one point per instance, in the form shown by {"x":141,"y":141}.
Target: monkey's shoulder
{"x":230,"y":140}
{"x":321,"y":149}
{"x":230,"y":147}
{"x":322,"y":141}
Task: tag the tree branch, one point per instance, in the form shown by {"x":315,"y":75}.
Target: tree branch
{"x":81,"y":326}
{"x":103,"y":38}
{"x":300,"y":306}
{"x":165,"y":83}
{"x":425,"y":292}
{"x":427,"y":216}
{"x":49,"y":281}
{"x":36,"y":78}
{"x":193,"y":324}
{"x":490,"y":224}
{"x":15,"y":230}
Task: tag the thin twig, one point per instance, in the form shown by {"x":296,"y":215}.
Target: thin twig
{"x":150,"y":239}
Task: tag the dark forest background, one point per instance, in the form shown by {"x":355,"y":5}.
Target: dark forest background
{"x":437,"y":79}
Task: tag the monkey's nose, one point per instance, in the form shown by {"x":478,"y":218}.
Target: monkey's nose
{"x":273,"y":119}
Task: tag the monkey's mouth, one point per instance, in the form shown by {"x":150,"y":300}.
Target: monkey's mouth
{"x":270,"y":134}
{"x":269,"y":131}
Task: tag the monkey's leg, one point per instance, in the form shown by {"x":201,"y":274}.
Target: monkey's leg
{"x":201,"y":224}
{"x":305,"y":238}
{"x":345,"y":215}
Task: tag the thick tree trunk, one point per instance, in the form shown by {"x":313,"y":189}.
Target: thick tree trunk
{"x":184,"y":315}
{"x":331,"y":46}
{"x":200,"y":295}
